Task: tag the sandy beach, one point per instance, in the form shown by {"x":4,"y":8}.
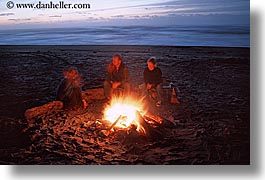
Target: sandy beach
{"x":211,"y":123}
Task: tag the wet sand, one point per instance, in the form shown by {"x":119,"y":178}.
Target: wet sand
{"x":212,"y":122}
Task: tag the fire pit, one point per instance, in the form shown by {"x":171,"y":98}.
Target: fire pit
{"x":134,"y":132}
{"x":128,"y":113}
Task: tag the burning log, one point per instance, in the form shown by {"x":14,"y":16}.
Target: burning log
{"x":153,"y":120}
{"x":106,"y":132}
{"x":127,"y":114}
{"x":149,"y":131}
{"x":117,"y":120}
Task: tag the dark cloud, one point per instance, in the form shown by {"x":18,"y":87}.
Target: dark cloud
{"x":17,"y":20}
{"x":82,"y":12}
{"x":7,"y":14}
{"x":196,"y":5}
{"x":203,"y":6}
{"x":56,"y":16}
{"x":182,"y":7}
{"x":92,"y":19}
{"x":118,"y":16}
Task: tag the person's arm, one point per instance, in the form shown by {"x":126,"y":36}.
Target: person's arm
{"x":147,"y":79}
{"x":145,"y":76}
{"x":125,"y":75}
{"x":108,"y":77}
{"x":159,"y":79}
{"x":109,"y":74}
{"x":160,"y":76}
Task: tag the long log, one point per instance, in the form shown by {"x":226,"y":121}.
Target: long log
{"x":37,"y":111}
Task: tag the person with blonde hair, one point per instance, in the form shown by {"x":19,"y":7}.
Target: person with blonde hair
{"x":69,"y":90}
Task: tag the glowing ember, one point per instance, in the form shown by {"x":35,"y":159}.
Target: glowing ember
{"x":126,"y":108}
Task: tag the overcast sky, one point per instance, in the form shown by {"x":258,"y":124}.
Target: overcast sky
{"x":128,"y":12}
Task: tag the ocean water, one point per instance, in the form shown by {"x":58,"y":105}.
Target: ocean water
{"x":220,"y":36}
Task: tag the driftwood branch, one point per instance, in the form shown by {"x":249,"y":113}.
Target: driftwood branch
{"x":115,"y":122}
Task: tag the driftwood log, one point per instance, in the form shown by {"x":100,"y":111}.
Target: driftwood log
{"x":89,"y":95}
{"x":37,"y":111}
{"x":150,"y":132}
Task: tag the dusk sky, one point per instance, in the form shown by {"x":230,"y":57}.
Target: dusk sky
{"x":128,"y":12}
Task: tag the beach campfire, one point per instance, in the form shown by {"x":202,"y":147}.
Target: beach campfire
{"x":129,"y":113}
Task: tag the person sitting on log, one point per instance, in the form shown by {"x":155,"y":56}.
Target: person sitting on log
{"x":152,"y":79}
{"x":69,"y":90}
{"x":117,"y":76}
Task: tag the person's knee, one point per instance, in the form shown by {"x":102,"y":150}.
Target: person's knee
{"x":106,"y":84}
{"x":158,"y":87}
{"x":126,"y":86}
{"x":142,"y":87}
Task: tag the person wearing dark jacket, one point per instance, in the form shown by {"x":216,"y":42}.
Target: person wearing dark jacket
{"x":117,"y":76}
{"x":69,"y":90}
{"x":153,"y":78}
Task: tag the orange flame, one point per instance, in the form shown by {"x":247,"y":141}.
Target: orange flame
{"x":126,"y":107}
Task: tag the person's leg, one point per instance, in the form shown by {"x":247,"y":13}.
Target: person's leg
{"x":126,"y":87}
{"x":143,"y":90}
{"x":107,"y":89}
{"x":159,"y":94}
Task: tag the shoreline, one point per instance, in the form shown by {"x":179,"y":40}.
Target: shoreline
{"x":166,"y":46}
